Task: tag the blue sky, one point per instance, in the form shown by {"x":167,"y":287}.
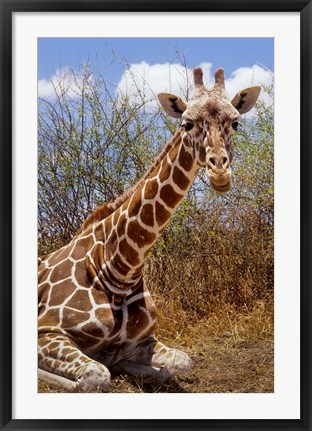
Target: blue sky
{"x":135,"y":66}
{"x":230,"y":53}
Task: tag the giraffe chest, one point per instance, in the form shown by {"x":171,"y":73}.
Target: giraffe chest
{"x":107,"y":325}
{"x":68,"y":303}
{"x":128,"y":322}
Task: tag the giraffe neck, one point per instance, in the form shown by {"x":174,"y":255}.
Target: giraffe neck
{"x":126,"y":236}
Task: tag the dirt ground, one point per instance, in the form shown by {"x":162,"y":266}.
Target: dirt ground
{"x":220,"y":367}
{"x":231,"y":352}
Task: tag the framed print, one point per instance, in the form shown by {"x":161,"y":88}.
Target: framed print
{"x":155,"y":215}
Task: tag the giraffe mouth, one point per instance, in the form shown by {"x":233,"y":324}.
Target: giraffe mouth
{"x":221,"y":189}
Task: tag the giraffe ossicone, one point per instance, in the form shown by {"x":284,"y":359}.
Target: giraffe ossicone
{"x":95,"y":310}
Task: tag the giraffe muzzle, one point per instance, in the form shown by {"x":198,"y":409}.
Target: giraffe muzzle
{"x":221,"y":189}
{"x":220,"y":179}
{"x":219,"y":171}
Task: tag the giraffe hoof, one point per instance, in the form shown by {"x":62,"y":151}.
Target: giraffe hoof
{"x":180,"y":362}
{"x":93,"y":378}
{"x":175,"y":362}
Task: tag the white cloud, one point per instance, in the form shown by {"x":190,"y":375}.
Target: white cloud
{"x":145,"y":81}
{"x":249,"y":76}
{"x":63,"y":81}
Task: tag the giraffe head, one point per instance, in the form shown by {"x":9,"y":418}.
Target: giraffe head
{"x":208,"y":121}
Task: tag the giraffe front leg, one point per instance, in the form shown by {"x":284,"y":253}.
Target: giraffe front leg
{"x":153,"y":359}
{"x":174,"y":361}
{"x":64,"y":366}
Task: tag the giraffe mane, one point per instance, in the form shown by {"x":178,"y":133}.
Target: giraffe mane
{"x":107,"y":208}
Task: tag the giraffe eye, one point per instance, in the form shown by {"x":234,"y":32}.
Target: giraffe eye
{"x":235,"y":125}
{"x":188,"y":125}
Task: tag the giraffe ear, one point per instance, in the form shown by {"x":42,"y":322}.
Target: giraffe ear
{"x":173,"y":105}
{"x":246,"y":99}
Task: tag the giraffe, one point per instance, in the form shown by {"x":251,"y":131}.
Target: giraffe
{"x":95,"y":309}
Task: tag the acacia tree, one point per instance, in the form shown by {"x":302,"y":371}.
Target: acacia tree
{"x":91,"y":146}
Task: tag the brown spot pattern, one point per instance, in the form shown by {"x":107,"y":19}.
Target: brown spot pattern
{"x":61,"y":271}
{"x":169,"y":196}
{"x":58,"y":256}
{"x":131,"y":255}
{"x":80,"y":301}
{"x":135,"y":205}
{"x":116,"y":216}
{"x":68,"y":350}
{"x":103,"y":314}
{"x":121,"y":227}
{"x":185,"y":159}
{"x":43,"y":274}
{"x":137,"y":320}
{"x":81,"y":248}
{"x":92,"y":329}
{"x":165,"y":172}
{"x":72,"y":357}
{"x":162,"y":215}
{"x":147,"y":215}
{"x":120,"y":266}
{"x":180,"y":179}
{"x":151,"y":189}
{"x":72,"y":318}
{"x":50,"y":318}
{"x":81,"y":274}
{"x":43,"y":341}
{"x":98,"y":255}
{"x":117,"y":322}
{"x":173,"y":153}
{"x":111,"y":243}
{"x":61,"y":291}
{"x":139,"y":235}
{"x":43,"y":292}
{"x":155,"y":171}
{"x":86,"y":341}
{"x":202,"y":155}
{"x":99,"y":296}
{"x":54,"y":345}
{"x":108,"y":226}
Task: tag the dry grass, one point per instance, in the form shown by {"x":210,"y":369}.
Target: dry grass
{"x":214,"y":294}
{"x":232,"y":351}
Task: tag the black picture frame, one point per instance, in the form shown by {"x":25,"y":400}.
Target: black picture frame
{"x":7,"y":9}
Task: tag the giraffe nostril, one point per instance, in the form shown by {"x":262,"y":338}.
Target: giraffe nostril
{"x":225,"y":162}
{"x":216,"y":163}
{"x":212,"y":161}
